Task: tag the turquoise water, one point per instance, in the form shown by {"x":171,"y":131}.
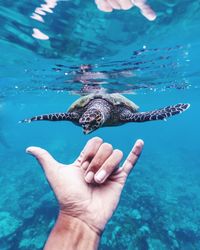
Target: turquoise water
{"x":154,"y":64}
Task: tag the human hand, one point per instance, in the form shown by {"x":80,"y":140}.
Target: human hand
{"x":89,"y":189}
{"x":110,"y":5}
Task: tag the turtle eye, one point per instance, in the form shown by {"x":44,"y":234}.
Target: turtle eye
{"x":94,"y":122}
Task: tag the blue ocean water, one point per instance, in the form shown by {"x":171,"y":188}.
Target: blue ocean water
{"x":154,"y":64}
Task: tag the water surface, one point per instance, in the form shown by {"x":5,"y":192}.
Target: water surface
{"x":153,"y":63}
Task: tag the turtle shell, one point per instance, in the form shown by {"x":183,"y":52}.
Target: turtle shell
{"x":114,"y":99}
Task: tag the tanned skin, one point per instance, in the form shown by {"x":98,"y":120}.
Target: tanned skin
{"x":88,"y":192}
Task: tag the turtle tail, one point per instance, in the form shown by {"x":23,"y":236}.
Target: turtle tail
{"x":52,"y":117}
{"x":159,"y":114}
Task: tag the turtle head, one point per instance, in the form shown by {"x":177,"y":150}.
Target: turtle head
{"x":91,"y":120}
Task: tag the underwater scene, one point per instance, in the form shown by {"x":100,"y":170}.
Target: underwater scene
{"x":54,"y":51}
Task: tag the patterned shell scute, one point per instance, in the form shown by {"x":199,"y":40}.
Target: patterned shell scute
{"x":115,"y":99}
{"x":81,"y":102}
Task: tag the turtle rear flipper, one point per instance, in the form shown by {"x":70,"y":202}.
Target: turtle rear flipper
{"x":160,"y":114}
{"x":70,"y":116}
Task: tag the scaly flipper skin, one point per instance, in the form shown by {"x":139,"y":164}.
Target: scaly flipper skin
{"x":160,"y":114}
{"x":54,"y":117}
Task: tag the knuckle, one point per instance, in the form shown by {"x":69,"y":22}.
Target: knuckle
{"x":85,"y":165}
{"x":43,"y":152}
{"x":136,"y":151}
{"x":93,"y":168}
{"x":89,"y":155}
{"x":108,"y":146}
{"x":118,"y":152}
{"x":133,"y":156}
{"x":111,"y":164}
{"x":130,"y":162}
{"x":96,"y":140}
{"x":109,"y":167}
{"x":96,"y":164}
{"x":126,"y":7}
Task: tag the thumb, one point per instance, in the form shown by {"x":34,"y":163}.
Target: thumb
{"x":47,"y":162}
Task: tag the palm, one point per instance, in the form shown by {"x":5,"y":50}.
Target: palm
{"x":90,"y":200}
{"x":81,"y":200}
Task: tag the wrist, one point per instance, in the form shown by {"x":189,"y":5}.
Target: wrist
{"x":71,"y":233}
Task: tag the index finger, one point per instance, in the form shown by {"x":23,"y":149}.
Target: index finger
{"x":133,"y":157}
{"x":89,"y":151}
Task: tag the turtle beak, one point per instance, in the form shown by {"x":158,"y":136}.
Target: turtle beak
{"x":87,"y":129}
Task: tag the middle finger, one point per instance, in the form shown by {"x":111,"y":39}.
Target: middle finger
{"x":101,"y":156}
{"x":89,"y":151}
{"x":109,"y":166}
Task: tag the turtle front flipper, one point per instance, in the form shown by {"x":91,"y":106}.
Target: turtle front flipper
{"x":160,"y":114}
{"x":91,"y":120}
{"x":70,"y":116}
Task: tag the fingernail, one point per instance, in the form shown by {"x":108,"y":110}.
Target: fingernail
{"x":89,"y":177}
{"x":85,"y":165}
{"x":99,"y":177}
{"x":81,"y":157}
{"x":28,"y":151}
{"x":140,"y":141}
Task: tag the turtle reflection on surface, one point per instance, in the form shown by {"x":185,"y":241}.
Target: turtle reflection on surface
{"x":3,"y":140}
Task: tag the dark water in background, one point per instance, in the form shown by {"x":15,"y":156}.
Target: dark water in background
{"x":155,"y":64}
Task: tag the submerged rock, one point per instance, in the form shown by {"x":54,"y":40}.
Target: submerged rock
{"x":136,"y":214}
{"x":8,"y":224}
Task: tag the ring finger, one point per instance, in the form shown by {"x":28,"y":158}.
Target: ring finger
{"x":109,"y":166}
{"x":101,"y":156}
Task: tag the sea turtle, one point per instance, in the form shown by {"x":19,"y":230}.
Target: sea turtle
{"x":96,"y":110}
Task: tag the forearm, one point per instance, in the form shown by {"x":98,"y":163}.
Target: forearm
{"x":70,"y":233}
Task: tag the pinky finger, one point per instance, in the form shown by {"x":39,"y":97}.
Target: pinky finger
{"x":103,"y":6}
{"x":133,"y":157}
